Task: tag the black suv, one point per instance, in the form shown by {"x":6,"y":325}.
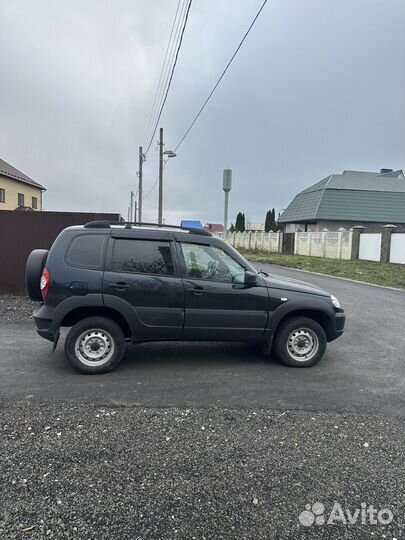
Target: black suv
{"x":118,"y":283}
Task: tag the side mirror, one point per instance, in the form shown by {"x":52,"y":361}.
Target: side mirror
{"x":250,"y":279}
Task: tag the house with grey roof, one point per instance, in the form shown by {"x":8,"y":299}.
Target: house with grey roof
{"x":342,"y":201}
{"x":17,"y":190}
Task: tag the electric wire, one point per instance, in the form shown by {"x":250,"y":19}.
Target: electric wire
{"x":162,"y":71}
{"x":171,"y":74}
{"x":221,"y":76}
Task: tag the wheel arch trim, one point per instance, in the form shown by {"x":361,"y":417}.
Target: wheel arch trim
{"x":306,"y":308}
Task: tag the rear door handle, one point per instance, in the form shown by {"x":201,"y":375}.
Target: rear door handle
{"x":120,"y":286}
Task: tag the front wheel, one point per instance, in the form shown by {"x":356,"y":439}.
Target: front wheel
{"x":300,"y":342}
{"x":95,"y":345}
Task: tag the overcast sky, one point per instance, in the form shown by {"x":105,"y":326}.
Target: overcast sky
{"x":318,"y":87}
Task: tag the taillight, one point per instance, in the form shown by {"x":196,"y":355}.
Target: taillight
{"x":44,"y":284}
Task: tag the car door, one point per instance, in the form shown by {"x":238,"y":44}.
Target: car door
{"x":218,"y":305}
{"x":141,"y":280}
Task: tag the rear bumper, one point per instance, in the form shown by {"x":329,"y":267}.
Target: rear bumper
{"x":43,"y":317}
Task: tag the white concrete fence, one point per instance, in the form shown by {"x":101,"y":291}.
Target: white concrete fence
{"x":332,"y":245}
{"x":271,"y":242}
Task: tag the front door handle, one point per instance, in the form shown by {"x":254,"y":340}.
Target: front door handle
{"x":198,"y":291}
{"x":194,"y":289}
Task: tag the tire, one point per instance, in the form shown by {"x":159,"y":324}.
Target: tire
{"x":84,"y":338}
{"x":33,"y":272}
{"x":300,"y":342}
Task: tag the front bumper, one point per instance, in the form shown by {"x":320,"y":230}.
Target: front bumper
{"x":340,"y":319}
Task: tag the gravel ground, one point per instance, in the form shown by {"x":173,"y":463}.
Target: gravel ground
{"x":134,"y":473}
{"x":16,"y":309}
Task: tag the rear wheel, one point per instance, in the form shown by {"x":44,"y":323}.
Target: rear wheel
{"x":95,"y":345}
{"x":300,"y":342}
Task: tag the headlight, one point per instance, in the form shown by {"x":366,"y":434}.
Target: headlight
{"x":335,"y":301}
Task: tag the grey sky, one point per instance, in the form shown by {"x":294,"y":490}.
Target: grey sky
{"x":318,"y":87}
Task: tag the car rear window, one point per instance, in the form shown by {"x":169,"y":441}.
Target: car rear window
{"x":86,"y":250}
{"x":142,"y":256}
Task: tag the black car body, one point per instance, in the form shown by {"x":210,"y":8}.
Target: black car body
{"x":165,"y":283}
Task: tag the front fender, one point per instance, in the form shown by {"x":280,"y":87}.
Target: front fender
{"x":300,"y":306}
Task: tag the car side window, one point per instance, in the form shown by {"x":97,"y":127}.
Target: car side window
{"x":210,"y":262}
{"x":142,"y":256}
{"x":86,"y":251}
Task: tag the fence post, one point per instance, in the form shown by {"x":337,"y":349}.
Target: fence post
{"x":339,"y":247}
{"x":323,"y":243}
{"x":387,"y":231}
{"x":357,"y":230}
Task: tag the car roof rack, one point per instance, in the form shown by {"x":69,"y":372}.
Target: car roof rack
{"x":104,"y":224}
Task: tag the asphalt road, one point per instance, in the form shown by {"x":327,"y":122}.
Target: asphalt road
{"x":363,"y":371}
{"x":207,"y":441}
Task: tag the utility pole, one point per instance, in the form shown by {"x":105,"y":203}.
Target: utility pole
{"x":226,"y":186}
{"x":136,"y":212}
{"x":140,"y":185}
{"x":160,"y":208}
{"x":169,"y":154}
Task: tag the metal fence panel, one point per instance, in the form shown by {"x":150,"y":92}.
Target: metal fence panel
{"x":370,"y":246}
{"x":397,"y":253}
{"x":21,"y":232}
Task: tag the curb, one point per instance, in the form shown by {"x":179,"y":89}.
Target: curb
{"x":333,"y":277}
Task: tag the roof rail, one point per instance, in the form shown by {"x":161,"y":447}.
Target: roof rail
{"x":104,"y":224}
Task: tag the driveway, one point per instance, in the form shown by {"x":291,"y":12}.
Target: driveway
{"x":362,"y":372}
{"x":201,"y":440}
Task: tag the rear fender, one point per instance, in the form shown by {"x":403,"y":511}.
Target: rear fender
{"x":68,"y":305}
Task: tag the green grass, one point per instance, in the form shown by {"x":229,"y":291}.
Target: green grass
{"x":386,"y":274}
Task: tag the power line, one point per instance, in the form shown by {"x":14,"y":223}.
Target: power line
{"x":163,"y":69}
{"x":171,"y":74}
{"x":221,"y":77}
{"x":155,"y":184}
{"x":150,"y":191}
{"x":167,"y":67}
